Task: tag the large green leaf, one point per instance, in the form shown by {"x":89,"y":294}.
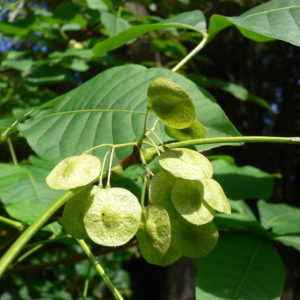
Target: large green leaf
{"x":238,"y":182}
{"x":23,"y":190}
{"x":110,"y":108}
{"x":271,"y":20}
{"x":242,"y":266}
{"x":282,"y":218}
{"x":193,"y":20}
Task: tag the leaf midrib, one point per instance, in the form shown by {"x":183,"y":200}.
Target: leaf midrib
{"x":247,"y":270}
{"x":91,"y":110}
{"x":272,"y":10}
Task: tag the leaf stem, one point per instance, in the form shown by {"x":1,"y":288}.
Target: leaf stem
{"x":192,"y":53}
{"x":12,"y":151}
{"x":103,"y":167}
{"x":110,"y":166}
{"x":99,"y":269}
{"x":13,"y":251}
{"x":12,"y":223}
{"x":235,"y":139}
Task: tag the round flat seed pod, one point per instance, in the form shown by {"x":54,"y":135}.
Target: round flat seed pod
{"x":171,"y":103}
{"x":214,"y":195}
{"x":74,"y":211}
{"x":186,"y":197}
{"x":160,"y":188}
{"x":186,"y":164}
{"x":195,"y":131}
{"x":113,"y":217}
{"x":154,"y":234}
{"x":74,"y":171}
{"x":195,"y":241}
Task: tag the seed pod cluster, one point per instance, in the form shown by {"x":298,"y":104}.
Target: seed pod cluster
{"x":175,"y":108}
{"x":184,"y":191}
{"x":108,"y":216}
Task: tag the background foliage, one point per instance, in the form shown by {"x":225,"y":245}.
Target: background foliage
{"x":47,"y":50}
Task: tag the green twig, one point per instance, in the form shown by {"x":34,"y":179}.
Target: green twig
{"x":12,"y":223}
{"x":13,"y":251}
{"x":100,"y":270}
{"x":235,"y":139}
{"x":192,"y":53}
{"x":12,"y":151}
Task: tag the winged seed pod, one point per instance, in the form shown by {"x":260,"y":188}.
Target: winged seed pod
{"x":113,"y":217}
{"x":74,"y":211}
{"x":185,"y":163}
{"x":187,"y":198}
{"x":154,"y":234}
{"x":195,"y":131}
{"x":172,"y":105}
{"x":214,"y":195}
{"x":74,"y":171}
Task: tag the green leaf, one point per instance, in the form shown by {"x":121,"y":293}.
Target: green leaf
{"x":47,"y":75}
{"x":79,"y":53}
{"x":23,"y":65}
{"x":97,"y":4}
{"x":242,"y":266}
{"x":23,"y":189}
{"x":282,"y":218}
{"x":238,"y":182}
{"x":193,"y":20}
{"x":114,"y":24}
{"x":110,"y":108}
{"x":241,"y":207}
{"x":289,"y":240}
{"x":271,"y":20}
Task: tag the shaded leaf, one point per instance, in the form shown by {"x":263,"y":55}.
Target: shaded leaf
{"x":238,"y":182}
{"x":23,"y":189}
{"x":234,"y":89}
{"x":242,"y":266}
{"x":282,"y":218}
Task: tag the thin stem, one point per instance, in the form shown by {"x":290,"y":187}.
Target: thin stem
{"x":32,"y":250}
{"x":86,"y":283}
{"x":140,"y":142}
{"x":235,"y":139}
{"x":48,"y":241}
{"x":12,"y":151}
{"x":13,"y":251}
{"x":144,"y":191}
{"x":154,"y":145}
{"x":111,"y":145}
{"x":110,"y":166}
{"x":157,"y":137}
{"x":12,"y":223}
{"x":100,"y":270}
{"x":192,"y":53}
{"x":102,"y":168}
